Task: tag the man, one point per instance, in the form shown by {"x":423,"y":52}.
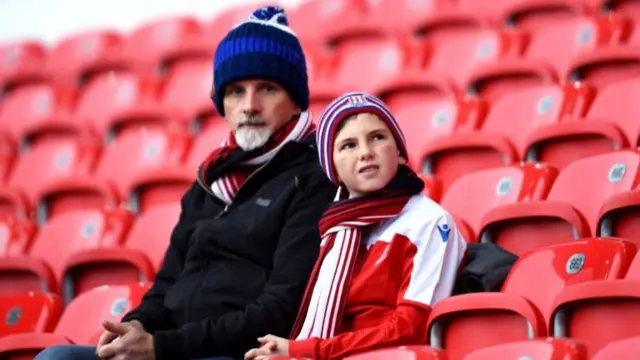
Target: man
{"x":247,"y":238}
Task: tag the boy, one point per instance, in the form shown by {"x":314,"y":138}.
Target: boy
{"x":388,"y":253}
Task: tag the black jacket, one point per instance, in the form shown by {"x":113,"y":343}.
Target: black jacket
{"x":232,"y":274}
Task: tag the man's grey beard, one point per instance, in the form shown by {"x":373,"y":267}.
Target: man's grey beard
{"x":252,"y":137}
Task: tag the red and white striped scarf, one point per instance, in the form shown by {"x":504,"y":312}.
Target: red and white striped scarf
{"x":323,"y":302}
{"x":226,"y":186}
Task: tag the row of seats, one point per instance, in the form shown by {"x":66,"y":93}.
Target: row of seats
{"x":551,"y":30}
{"x":536,"y":349}
{"x":132,"y":169}
{"x":586,"y":290}
{"x":519,"y":207}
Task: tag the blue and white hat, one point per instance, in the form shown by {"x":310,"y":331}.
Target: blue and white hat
{"x":343,"y":107}
{"x":262,"y":47}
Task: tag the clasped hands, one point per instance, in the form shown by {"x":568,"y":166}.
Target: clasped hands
{"x":125,"y":341}
{"x":270,"y":346}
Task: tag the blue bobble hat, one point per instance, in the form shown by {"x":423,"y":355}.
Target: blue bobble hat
{"x":262,"y":47}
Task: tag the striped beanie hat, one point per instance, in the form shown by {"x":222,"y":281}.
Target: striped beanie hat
{"x":343,"y":107}
{"x":262,"y":47}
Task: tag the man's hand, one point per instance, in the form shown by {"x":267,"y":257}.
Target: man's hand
{"x":107,"y":336}
{"x":133,"y":343}
{"x":269,"y":346}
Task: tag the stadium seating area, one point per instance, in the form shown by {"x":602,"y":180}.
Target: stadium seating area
{"x":520,"y":115}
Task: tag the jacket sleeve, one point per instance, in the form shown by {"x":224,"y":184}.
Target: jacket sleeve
{"x":274,"y":311}
{"x":428,"y":277}
{"x":151,"y":311}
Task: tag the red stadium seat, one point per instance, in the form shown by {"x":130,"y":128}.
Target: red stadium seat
{"x":494,"y":187}
{"x":77,"y":57}
{"x":458,"y":43}
{"x":316,"y":20}
{"x":29,"y":312}
{"x":158,"y":187}
{"x":537,"y":349}
{"x":124,"y":160}
{"x":137,"y":260}
{"x":491,"y":137}
{"x":80,"y":323}
{"x":20,"y":64}
{"x":597,"y":313}
{"x":401,"y":16}
{"x":150,"y":45}
{"x":26,"y":107}
{"x":42,"y":268}
{"x":50,"y":161}
{"x":626,"y":9}
{"x":184,"y":99}
{"x":14,"y":203}
{"x":557,"y":30}
{"x":609,"y":119}
{"x":463,"y":323}
{"x":16,"y":235}
{"x":618,"y":349}
{"x":401,"y":353}
{"x":566,"y":213}
{"x":208,"y":140}
{"x":228,"y":18}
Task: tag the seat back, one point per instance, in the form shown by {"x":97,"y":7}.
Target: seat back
{"x":51,"y":160}
{"x":541,"y":274}
{"x":29,"y":312}
{"x":208,"y":140}
{"x":138,"y":150}
{"x":537,"y":349}
{"x":609,"y":174}
{"x":16,"y":235}
{"x":472,"y":195}
{"x":83,"y":317}
{"x":619,"y":349}
{"x":188,"y":89}
{"x":152,"y":231}
{"x":26,"y":106}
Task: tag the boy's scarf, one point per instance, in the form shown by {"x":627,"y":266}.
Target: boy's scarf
{"x":341,"y":229}
{"x":229,"y":166}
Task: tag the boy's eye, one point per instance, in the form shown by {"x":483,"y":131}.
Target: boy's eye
{"x":378,"y":137}
{"x":347,"y":146}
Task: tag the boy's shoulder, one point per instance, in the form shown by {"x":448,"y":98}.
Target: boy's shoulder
{"x":422,"y":208}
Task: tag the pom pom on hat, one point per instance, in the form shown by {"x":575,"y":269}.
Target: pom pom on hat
{"x":343,"y":107}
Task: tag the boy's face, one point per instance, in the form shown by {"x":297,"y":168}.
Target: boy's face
{"x":365,"y":154}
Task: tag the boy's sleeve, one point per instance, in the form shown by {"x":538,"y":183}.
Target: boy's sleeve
{"x":429,"y":276}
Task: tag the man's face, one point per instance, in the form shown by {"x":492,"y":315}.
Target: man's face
{"x":255,"y":109}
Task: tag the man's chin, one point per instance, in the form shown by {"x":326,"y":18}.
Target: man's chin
{"x":249,"y":139}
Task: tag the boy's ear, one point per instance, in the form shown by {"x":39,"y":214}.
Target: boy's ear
{"x":402,"y":161}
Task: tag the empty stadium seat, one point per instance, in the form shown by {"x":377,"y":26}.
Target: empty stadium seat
{"x":16,"y":235}
{"x":149,"y":47}
{"x":80,"y":322}
{"x":138,"y":259}
{"x":126,"y":158}
{"x":401,"y":16}
{"x":566,"y":213}
{"x":20,"y":65}
{"x":360,"y":54}
{"x":557,"y":30}
{"x":596,"y":313}
{"x":76,"y":57}
{"x":315,"y":20}
{"x":14,"y":203}
{"x":207,"y":141}
{"x":160,"y":186}
{"x":537,"y":349}
{"x":618,"y":349}
{"x":463,"y":323}
{"x":608,"y":123}
{"x":493,"y":187}
{"x":626,"y":9}
{"x":52,"y":160}
{"x":505,"y":100}
{"x":41,"y":269}
{"x":619,"y":215}
{"x":29,"y":312}
{"x":458,"y":43}
{"x":26,"y":107}
{"x":401,"y":353}
{"x":184,"y":100}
